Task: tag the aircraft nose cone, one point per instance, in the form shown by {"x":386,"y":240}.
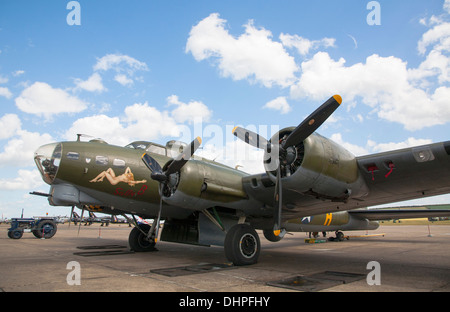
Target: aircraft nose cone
{"x":47,"y":159}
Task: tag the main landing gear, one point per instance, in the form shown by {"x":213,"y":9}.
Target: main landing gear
{"x":242,"y":245}
{"x":139,"y":241}
{"x":143,"y":237}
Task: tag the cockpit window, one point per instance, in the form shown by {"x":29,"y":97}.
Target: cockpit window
{"x":148,"y":146}
{"x":138,"y":145}
{"x":48,"y":158}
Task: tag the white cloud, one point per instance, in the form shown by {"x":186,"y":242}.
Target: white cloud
{"x":352,"y":148}
{"x":100,"y":126}
{"x":26,"y":180}
{"x":21,"y":145}
{"x":18,"y":73}
{"x":374,"y":147}
{"x":235,"y":153}
{"x":447,"y":6}
{"x":123,"y":80}
{"x":280,"y":103}
{"x":192,"y":112}
{"x":253,"y":55}
{"x":43,"y":100}
{"x":119,"y":63}
{"x":140,"y":122}
{"x":144,"y":120}
{"x":391,"y":146}
{"x":10,"y":124}
{"x":125,"y":67}
{"x":383,"y":83}
{"x":304,"y":45}
{"x":93,"y":83}
{"x":439,"y":36}
{"x":4,"y":91}
{"x":414,"y":97}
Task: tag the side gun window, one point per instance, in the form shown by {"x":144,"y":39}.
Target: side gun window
{"x":120,"y":163}
{"x":73,"y":156}
{"x":101,"y":160}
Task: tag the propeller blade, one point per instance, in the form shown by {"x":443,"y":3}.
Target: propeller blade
{"x":303,"y":130}
{"x":154,"y":167}
{"x":278,"y":201}
{"x":251,"y":137}
{"x":184,"y":157}
{"x":313,"y":121}
{"x":151,"y":163}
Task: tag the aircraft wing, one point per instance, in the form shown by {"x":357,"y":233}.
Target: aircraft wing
{"x":406,"y":174}
{"x":393,"y":176}
{"x":389,"y":214}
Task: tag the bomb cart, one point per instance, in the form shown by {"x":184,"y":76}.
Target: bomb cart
{"x":40,"y":227}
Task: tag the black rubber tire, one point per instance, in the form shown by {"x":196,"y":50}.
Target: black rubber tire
{"x":15,"y":234}
{"x":137,"y":240}
{"x":45,"y":229}
{"x":271,"y":237}
{"x":242,"y":245}
{"x":340,"y":236}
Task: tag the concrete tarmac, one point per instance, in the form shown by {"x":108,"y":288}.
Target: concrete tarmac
{"x":409,"y":260}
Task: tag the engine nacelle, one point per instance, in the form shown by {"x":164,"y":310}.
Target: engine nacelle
{"x":318,"y":167}
{"x":201,"y":185}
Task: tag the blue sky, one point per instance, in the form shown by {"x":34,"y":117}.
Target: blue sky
{"x":158,"y":70}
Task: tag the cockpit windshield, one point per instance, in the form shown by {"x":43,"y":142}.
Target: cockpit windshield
{"x":148,"y":146}
{"x":48,"y":158}
{"x":138,"y":145}
{"x":172,"y":149}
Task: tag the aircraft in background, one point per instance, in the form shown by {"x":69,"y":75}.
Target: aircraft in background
{"x":207,"y":203}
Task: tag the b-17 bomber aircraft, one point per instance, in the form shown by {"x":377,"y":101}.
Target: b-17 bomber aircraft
{"x":207,"y":203}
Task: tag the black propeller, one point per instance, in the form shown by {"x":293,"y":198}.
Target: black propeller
{"x":303,"y":130}
{"x":162,"y":176}
{"x":158,"y":174}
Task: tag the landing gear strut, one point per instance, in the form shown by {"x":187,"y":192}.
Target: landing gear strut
{"x":242,"y":245}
